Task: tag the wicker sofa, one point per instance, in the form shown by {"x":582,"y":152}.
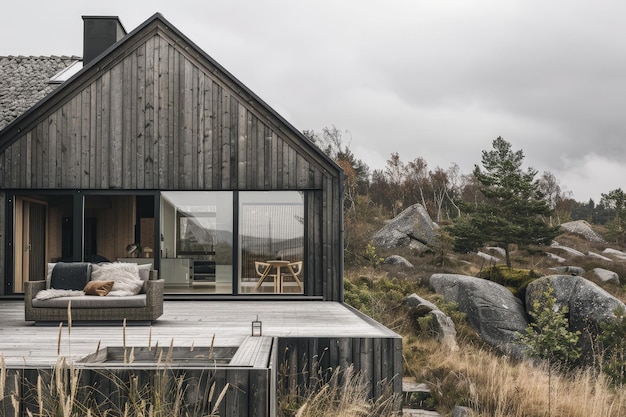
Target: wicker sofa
{"x":147,"y":305}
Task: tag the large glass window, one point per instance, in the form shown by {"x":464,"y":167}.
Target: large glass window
{"x":197,"y":241}
{"x":50,"y":228}
{"x":271,"y":242}
{"x":190,"y":234}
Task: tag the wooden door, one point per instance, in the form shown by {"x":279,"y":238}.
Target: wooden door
{"x":30,"y":242}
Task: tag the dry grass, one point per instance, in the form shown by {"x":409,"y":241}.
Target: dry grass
{"x":494,"y":386}
{"x":345,"y":393}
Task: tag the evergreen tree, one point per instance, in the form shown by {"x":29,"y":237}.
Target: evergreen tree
{"x":615,"y":200}
{"x":512,"y":209}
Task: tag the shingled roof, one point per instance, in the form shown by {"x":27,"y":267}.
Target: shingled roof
{"x":24,"y":80}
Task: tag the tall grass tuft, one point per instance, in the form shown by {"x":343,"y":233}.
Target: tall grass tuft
{"x":342,"y":392}
{"x":67,"y":391}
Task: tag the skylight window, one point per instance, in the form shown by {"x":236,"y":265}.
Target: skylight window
{"x":66,"y":73}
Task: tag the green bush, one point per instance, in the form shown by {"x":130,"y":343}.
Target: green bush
{"x":381,"y":298}
{"x":613,"y":347}
{"x":548,"y":337}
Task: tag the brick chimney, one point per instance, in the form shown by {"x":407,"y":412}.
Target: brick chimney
{"x":99,"y":33}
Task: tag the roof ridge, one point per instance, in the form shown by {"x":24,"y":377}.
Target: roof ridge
{"x":36,"y":57}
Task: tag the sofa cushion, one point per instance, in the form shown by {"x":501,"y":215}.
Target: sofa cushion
{"x":89,"y":301}
{"x":144,"y":274}
{"x":56,"y":293}
{"x":144,"y":271}
{"x":99,"y":288}
{"x":49,"y":274}
{"x":125,"y":277}
{"x":70,"y":276}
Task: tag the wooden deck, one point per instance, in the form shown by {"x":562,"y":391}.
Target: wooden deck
{"x":299,"y":340}
{"x":184,"y":323}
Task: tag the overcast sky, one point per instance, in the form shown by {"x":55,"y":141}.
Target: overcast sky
{"x":434,"y":79}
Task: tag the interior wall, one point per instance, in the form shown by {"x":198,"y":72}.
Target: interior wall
{"x":146,"y":239}
{"x":56,"y":214}
{"x":168,"y":229}
{"x":115,"y":223}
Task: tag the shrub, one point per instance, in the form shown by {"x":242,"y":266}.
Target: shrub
{"x":381,"y":298}
{"x":548,"y":337}
{"x":613,"y":347}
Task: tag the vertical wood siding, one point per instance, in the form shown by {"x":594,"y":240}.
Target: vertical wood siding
{"x":158,"y":120}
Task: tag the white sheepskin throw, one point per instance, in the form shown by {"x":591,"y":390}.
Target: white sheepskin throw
{"x":56,"y":293}
{"x":125,"y":277}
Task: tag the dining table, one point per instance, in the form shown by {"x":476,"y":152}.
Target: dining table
{"x":276,"y":264}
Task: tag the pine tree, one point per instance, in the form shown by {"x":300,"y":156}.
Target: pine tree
{"x":513,"y":210}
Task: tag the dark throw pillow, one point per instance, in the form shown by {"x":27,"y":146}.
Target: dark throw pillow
{"x":70,"y":276}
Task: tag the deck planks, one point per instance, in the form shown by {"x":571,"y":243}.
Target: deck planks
{"x":184,"y":323}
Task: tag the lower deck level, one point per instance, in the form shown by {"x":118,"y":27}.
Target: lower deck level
{"x":292,"y":341}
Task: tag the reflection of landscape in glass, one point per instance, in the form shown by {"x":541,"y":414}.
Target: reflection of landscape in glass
{"x":197,"y":232}
{"x":203,"y":224}
{"x":273,"y":230}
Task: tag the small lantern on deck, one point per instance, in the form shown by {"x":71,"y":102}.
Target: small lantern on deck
{"x":257,"y":327}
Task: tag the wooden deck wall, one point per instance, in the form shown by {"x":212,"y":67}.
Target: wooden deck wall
{"x":302,"y":361}
{"x":248,"y":393}
{"x":159,"y":114}
{"x":299,"y":363}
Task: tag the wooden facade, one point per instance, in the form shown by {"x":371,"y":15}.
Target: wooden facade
{"x":157,"y":113}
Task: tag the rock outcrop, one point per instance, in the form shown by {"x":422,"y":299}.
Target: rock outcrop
{"x":615,"y":253}
{"x":582,"y":228}
{"x":606,"y":276}
{"x":587,"y":303}
{"x":567,"y":249}
{"x":412,"y":228}
{"x":444,"y":329}
{"x":600,"y":257}
{"x":491,"y":309}
{"x":570,"y":270}
{"x":441,"y":325}
{"x":397,"y":260}
{"x":420,"y":306}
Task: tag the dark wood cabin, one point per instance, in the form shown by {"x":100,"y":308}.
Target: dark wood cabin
{"x":153,"y":150}
{"x":150,"y":150}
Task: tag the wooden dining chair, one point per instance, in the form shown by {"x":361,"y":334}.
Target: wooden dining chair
{"x":294,"y":271}
{"x":263,"y":271}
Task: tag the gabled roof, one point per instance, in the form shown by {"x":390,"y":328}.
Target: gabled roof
{"x":24,"y":81}
{"x":11,"y":132}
